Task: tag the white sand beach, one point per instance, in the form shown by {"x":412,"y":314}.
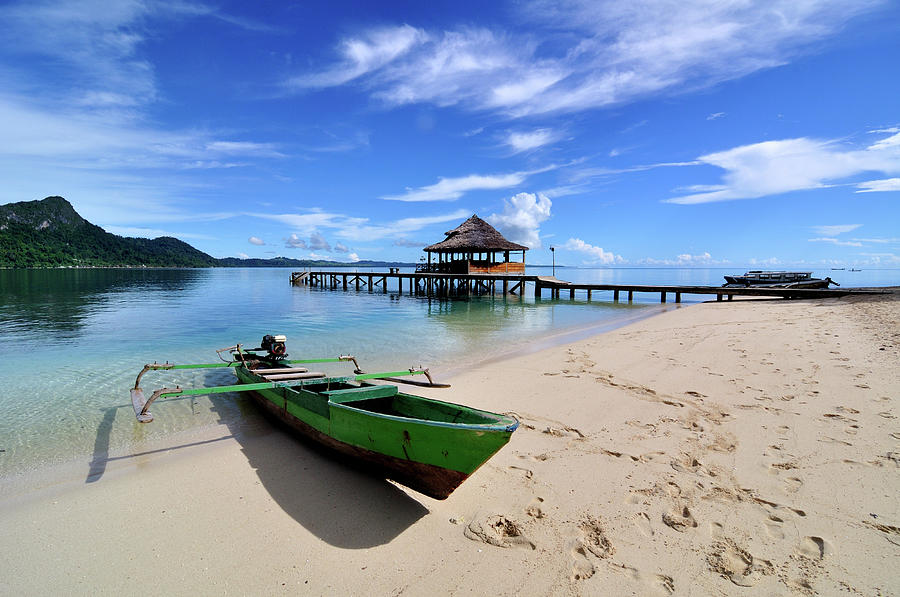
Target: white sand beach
{"x":741,"y":448}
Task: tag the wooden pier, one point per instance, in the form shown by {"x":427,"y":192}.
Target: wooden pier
{"x":455,"y":285}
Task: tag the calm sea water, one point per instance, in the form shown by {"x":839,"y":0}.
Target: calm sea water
{"x":72,"y":342}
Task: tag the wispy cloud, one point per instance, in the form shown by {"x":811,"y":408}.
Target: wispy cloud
{"x":412,"y":244}
{"x":80,"y":120}
{"x":716,"y":116}
{"x":775,"y":167}
{"x":879,"y":186}
{"x":451,"y":189}
{"x":835,"y":229}
{"x":350,"y":227}
{"x":611,"y":52}
{"x":521,"y":141}
{"x":836,"y":242}
{"x":363,"y":54}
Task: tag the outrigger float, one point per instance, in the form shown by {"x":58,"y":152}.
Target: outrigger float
{"x":427,"y":445}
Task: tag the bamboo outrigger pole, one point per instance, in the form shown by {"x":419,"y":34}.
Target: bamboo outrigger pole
{"x":142,"y":404}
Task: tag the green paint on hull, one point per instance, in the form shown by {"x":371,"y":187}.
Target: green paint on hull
{"x":428,"y":445}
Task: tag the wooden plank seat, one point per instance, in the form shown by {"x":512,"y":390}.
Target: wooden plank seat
{"x":361,"y":393}
{"x":281,"y":370}
{"x":287,"y":376}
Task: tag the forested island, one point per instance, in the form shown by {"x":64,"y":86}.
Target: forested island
{"x":50,"y":233}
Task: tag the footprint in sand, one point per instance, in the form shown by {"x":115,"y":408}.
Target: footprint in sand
{"x":582,"y":567}
{"x":664,"y":584}
{"x":793,"y":484}
{"x":528,"y":473}
{"x":594,"y":539}
{"x":534,"y":508}
{"x":679,"y":519}
{"x":563,"y":432}
{"x":688,"y":464}
{"x":499,"y":531}
{"x":535,"y":457}
{"x":642,"y":522}
{"x":590,"y":541}
{"x":774,"y":527}
{"x":737,"y":564}
{"x":815,"y":548}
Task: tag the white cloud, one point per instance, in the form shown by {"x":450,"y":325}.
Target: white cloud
{"x":243,"y":256}
{"x":366,"y":231}
{"x":887,"y":241}
{"x":341,"y":248}
{"x":295,"y":242}
{"x":775,"y":167}
{"x":528,"y":140}
{"x":688,"y":259}
{"x":835,"y":229}
{"x":882,"y":258}
{"x":361,"y":55}
{"x":451,"y":189}
{"x":253,"y":240}
{"x":317,"y":242}
{"x":246,"y":148}
{"x":595,"y":254}
{"x":413,"y":244}
{"x":834,"y":241}
{"x":521,"y":218}
{"x":716,"y":116}
{"x":769,"y":262}
{"x":353,"y":257}
{"x":605,"y":52}
{"x":354,"y":228}
{"x":879,"y":186}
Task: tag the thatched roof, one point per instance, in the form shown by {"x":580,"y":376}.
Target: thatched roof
{"x":474,"y":235}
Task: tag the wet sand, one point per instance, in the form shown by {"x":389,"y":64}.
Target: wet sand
{"x":743,"y":448}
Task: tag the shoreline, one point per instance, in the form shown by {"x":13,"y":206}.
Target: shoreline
{"x":694,"y":452}
{"x":63,"y":465}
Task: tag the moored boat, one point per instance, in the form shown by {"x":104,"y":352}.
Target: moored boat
{"x":427,"y":445}
{"x":776,"y":279}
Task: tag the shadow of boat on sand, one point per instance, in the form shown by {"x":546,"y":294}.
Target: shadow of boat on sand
{"x":333,"y":500}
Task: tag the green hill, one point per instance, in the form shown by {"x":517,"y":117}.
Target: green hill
{"x":50,"y":233}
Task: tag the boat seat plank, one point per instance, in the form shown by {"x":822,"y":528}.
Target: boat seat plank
{"x":281,"y":370}
{"x":287,"y":376}
{"x":361,"y":393}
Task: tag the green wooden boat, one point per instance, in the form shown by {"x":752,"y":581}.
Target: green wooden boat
{"x":427,"y":445}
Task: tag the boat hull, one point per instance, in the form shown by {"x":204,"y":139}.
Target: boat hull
{"x":432,"y":457}
{"x":749,"y":283}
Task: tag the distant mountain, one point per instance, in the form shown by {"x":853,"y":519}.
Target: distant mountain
{"x":50,"y":233}
{"x":287,"y":262}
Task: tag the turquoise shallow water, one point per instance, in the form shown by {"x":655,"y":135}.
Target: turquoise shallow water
{"x":72,"y":341}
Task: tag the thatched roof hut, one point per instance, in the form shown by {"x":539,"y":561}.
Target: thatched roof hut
{"x":474,"y":236}
{"x":472,"y":247}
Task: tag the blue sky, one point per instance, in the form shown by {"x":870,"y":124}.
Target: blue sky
{"x":644,"y":133}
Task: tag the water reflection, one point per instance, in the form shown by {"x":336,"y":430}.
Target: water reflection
{"x":60,"y":301}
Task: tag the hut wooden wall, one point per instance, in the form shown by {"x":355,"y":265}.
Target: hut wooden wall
{"x":497,"y":268}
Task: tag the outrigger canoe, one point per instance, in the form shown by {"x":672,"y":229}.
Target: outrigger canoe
{"x":427,"y":445}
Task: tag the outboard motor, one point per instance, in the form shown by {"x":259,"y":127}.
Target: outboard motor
{"x":274,"y":345}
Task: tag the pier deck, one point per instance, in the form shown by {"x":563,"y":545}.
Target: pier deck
{"x":434,"y":284}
